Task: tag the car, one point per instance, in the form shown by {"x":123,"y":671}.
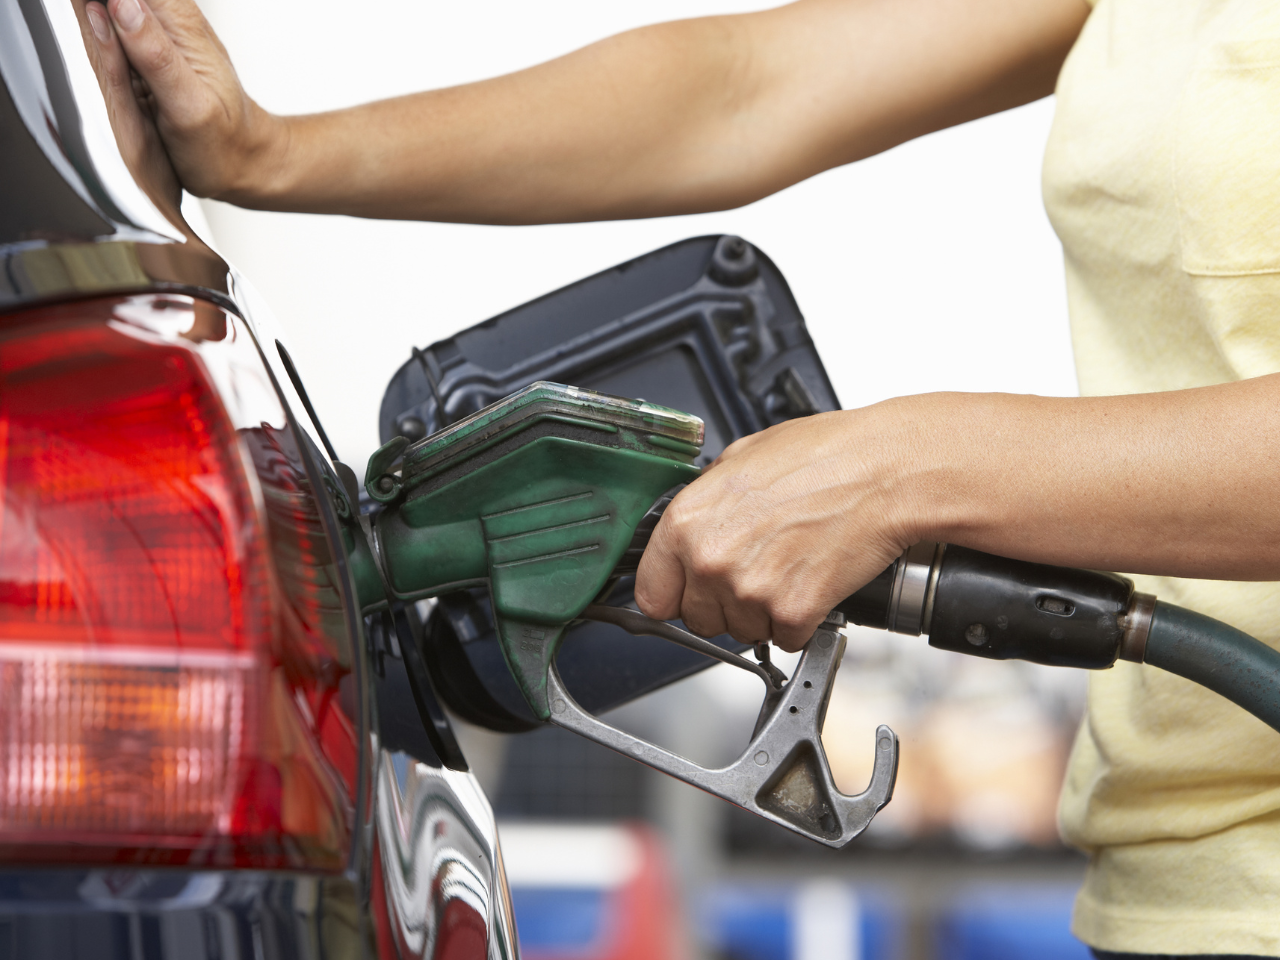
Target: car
{"x":191,"y":758}
{"x":211,"y":746}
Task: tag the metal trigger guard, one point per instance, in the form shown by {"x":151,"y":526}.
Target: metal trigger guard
{"x":783,"y":774}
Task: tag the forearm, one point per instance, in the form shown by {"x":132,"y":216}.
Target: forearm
{"x":675,"y":118}
{"x":1181,"y":484}
{"x":788,"y":522}
{"x":592,"y":134}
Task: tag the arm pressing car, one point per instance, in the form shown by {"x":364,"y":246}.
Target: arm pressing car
{"x":1171,"y":292}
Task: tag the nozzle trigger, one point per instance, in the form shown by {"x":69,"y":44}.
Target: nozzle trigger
{"x":783,"y":774}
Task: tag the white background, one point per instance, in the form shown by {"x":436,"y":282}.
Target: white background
{"x":931,"y":267}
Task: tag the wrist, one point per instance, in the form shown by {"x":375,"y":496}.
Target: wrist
{"x":941,"y":487}
{"x":264,"y":166}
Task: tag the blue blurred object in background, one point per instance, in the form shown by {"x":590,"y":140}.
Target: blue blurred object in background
{"x":830,"y":920}
{"x":816,"y":920}
{"x":1001,"y":922}
{"x":559,"y":918}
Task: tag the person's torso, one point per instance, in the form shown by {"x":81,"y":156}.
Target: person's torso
{"x":1162,"y":179}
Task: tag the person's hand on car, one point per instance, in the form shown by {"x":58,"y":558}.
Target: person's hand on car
{"x":218,"y":139}
{"x":127,"y":111}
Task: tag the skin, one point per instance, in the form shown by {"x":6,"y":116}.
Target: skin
{"x":712,"y":113}
{"x":694,"y":115}
{"x":790,"y":521}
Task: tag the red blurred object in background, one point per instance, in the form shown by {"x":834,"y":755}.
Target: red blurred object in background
{"x":592,"y":893}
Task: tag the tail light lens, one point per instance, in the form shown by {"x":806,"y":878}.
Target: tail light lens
{"x":155,"y":704}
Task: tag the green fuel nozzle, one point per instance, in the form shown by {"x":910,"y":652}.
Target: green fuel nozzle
{"x":539,"y":495}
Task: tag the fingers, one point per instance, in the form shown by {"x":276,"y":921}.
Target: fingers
{"x":152,"y":51}
{"x":660,"y":578}
{"x":702,"y":616}
{"x":184,"y":22}
{"x":124,"y":91}
{"x":784,"y":525}
{"x":113,"y":68}
{"x":130,"y":111}
{"x":747,"y":625}
{"x":211,"y":131}
{"x":793,"y":625}
{"x":680,"y":577}
{"x":181,"y":19}
{"x":100,"y":23}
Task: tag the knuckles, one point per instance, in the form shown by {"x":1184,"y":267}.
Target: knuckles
{"x":710,"y":561}
{"x":155,"y":54}
{"x":790,"y":616}
{"x":703,"y":625}
{"x":754,"y":591}
{"x":794,"y":619}
{"x":655,"y":605}
{"x":679,"y":520}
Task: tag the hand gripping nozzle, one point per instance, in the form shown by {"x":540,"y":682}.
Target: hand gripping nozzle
{"x":783,"y":774}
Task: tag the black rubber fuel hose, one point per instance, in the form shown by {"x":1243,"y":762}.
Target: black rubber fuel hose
{"x":1220,"y":657}
{"x":1001,"y":609}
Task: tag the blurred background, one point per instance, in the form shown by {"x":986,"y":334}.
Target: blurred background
{"x":930,"y":267}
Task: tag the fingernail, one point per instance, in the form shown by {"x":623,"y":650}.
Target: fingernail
{"x":129,"y":15}
{"x":98,"y":22}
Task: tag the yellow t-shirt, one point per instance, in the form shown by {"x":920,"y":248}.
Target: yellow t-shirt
{"x":1162,"y":178}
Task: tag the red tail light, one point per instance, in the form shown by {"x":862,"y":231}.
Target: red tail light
{"x":151,"y":709}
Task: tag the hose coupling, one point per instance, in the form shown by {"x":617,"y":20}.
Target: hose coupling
{"x":915,"y":580}
{"x":1137,"y":627}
